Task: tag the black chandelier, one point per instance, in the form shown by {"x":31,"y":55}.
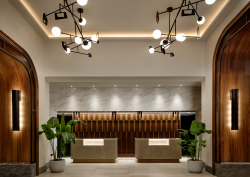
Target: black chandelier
{"x":190,"y":11}
{"x":79,"y":41}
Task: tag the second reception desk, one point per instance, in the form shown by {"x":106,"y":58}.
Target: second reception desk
{"x":94,"y":150}
{"x":157,"y":150}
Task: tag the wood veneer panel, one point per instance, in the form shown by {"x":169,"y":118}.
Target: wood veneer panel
{"x":228,"y":145}
{"x":127,"y":128}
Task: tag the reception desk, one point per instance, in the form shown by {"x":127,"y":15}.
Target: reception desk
{"x":157,"y":150}
{"x":94,"y":150}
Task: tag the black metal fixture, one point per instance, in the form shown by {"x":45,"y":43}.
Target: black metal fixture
{"x":16,"y":98}
{"x":114,"y":114}
{"x":190,"y":11}
{"x":78,"y":23}
{"x":138,"y":115}
{"x":234,"y":97}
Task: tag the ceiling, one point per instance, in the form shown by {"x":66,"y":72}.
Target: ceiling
{"x":121,"y":18}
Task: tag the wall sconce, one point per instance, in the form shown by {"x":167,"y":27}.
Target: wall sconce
{"x":234,"y":97}
{"x":16,"y":97}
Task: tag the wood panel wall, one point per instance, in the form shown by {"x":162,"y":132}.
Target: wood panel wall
{"x":127,"y":128}
{"x":17,"y":147}
{"x":231,"y":70}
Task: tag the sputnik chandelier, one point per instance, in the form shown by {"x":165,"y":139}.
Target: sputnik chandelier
{"x":79,"y":41}
{"x":190,"y":11}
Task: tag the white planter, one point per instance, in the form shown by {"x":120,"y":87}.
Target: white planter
{"x":195,"y":166}
{"x":57,"y":166}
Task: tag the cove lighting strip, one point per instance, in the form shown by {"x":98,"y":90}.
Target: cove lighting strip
{"x":93,"y":142}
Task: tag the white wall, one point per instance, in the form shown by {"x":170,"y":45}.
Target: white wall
{"x":127,"y":59}
{"x":210,"y":47}
{"x":14,"y":25}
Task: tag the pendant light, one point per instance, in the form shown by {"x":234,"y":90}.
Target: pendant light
{"x":180,"y":37}
{"x":82,"y":2}
{"x":67,"y":51}
{"x":157,"y":34}
{"x":165,"y":43}
{"x":78,"y":40}
{"x":201,"y":20}
{"x":86,"y":44}
{"x":82,"y":21}
{"x":56,"y":31}
{"x":209,"y":2}
{"x":151,"y":50}
{"x":94,"y":38}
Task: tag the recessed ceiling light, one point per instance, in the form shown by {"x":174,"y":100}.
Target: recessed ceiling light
{"x":181,"y":85}
{"x":71,"y":86}
{"x":159,"y":85}
{"x":188,"y":112}
{"x":136,"y":85}
{"x":115,"y":85}
{"x":93,"y":86}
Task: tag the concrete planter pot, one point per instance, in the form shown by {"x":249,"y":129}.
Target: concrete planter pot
{"x":57,"y":166}
{"x":195,"y":166}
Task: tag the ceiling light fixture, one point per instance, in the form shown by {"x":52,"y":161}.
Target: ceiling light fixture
{"x":78,"y":23}
{"x":190,"y":11}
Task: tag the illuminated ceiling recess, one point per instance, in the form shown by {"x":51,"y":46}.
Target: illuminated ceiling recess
{"x":186,"y":9}
{"x":79,"y":41}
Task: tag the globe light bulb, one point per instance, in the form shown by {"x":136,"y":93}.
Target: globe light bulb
{"x":94,"y":38}
{"x":78,"y":40}
{"x":180,"y":37}
{"x":82,"y":2}
{"x":86,"y":45}
{"x":68,"y":51}
{"x":209,"y":2}
{"x":56,"y":31}
{"x":157,"y":34}
{"x":165,"y":46}
{"x":82,"y":21}
{"x":151,"y":50}
{"x":202,"y":21}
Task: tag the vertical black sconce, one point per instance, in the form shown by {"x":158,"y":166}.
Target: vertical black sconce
{"x":114,"y":114}
{"x":234,"y":96}
{"x":138,"y":115}
{"x":16,"y":97}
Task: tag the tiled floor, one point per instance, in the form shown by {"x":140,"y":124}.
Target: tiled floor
{"x":125,"y":167}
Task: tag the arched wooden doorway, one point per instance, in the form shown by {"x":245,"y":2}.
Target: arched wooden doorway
{"x":17,"y":72}
{"x":231,"y":70}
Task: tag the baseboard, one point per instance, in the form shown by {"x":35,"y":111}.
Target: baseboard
{"x":44,"y":168}
{"x":158,"y":161}
{"x":208,"y":169}
{"x":93,"y":160}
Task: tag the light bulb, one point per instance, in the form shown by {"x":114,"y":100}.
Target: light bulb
{"x":68,"y":52}
{"x":151,"y":50}
{"x":87,"y":46}
{"x":82,"y":21}
{"x":180,"y":37}
{"x":78,"y":40}
{"x":56,"y":31}
{"x":157,"y":34}
{"x":202,"y":21}
{"x":82,"y":2}
{"x":166,"y":45}
{"x":209,"y":2}
{"x":94,"y":38}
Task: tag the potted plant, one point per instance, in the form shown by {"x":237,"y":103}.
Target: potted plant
{"x":194,"y":146}
{"x":63,"y":133}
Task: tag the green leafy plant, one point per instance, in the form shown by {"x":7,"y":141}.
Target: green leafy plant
{"x":194,"y":146}
{"x":63,"y":133}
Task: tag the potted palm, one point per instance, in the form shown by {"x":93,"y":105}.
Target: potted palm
{"x":63,"y":133}
{"x":194,"y":146}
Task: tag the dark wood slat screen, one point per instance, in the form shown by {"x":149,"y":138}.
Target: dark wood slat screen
{"x":127,"y":128}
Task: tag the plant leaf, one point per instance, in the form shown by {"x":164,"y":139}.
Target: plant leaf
{"x":73,"y":122}
{"x":48,"y":132}
{"x":68,"y":129}
{"x":53,"y":122}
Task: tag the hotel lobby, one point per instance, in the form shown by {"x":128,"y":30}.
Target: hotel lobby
{"x":124,"y":88}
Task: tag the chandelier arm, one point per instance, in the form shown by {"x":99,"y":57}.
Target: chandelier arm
{"x":194,"y":9}
{"x":74,"y":19}
{"x":182,"y":6}
{"x":175,"y":19}
{"x":64,"y":7}
{"x":80,"y":53}
{"x":75,"y":46}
